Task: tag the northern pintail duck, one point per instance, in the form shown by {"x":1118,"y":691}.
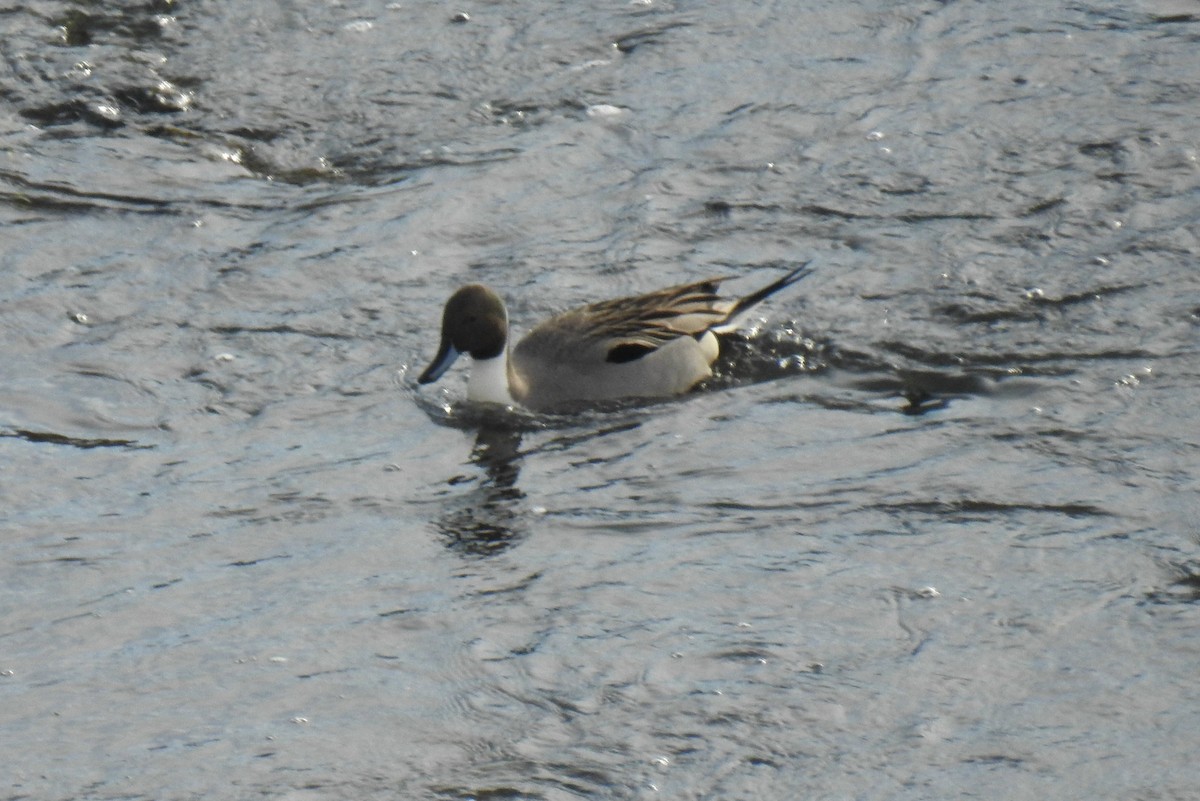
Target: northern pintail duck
{"x":654,"y":345}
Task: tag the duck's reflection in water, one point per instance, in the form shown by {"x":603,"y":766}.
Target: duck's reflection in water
{"x":487,"y":520}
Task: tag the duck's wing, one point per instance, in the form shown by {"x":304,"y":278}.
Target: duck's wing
{"x":625,"y":329}
{"x":629,"y":328}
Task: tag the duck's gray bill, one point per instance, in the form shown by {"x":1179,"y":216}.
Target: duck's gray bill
{"x":446,"y":355}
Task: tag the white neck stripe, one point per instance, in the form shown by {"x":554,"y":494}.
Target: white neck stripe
{"x":489,"y":380}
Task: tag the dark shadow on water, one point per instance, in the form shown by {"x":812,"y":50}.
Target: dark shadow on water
{"x":487,"y":520}
{"x":1183,"y":586}
{"x":919,"y":388}
{"x":488,"y":517}
{"x":83,"y":443}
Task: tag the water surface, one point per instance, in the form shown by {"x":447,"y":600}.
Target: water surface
{"x":929,"y":534}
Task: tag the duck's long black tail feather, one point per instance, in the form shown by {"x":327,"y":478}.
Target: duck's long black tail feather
{"x":770,"y":289}
{"x":743,"y":305}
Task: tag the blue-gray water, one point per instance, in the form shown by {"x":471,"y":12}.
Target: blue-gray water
{"x":931,"y":534}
